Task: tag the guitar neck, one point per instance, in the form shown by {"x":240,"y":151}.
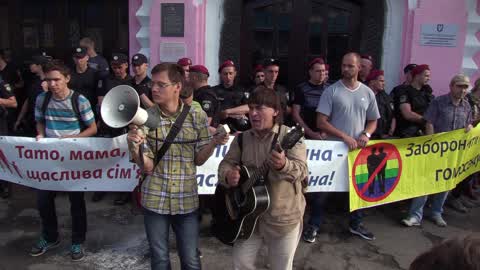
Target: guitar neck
{"x":254,"y":176}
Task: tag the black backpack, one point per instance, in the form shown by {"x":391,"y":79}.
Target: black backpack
{"x":74,"y":100}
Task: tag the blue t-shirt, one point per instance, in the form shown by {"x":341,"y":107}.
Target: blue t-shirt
{"x":60,"y":119}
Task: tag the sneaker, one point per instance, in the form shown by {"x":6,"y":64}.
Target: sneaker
{"x":362,"y":232}
{"x":199,"y":253}
{"x":439,"y":221}
{"x":42,"y":246}
{"x":76,"y":251}
{"x":457,"y":205}
{"x":309,"y":234}
{"x":411,"y":221}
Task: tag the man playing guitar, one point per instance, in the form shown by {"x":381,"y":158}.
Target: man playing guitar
{"x":280,"y":226}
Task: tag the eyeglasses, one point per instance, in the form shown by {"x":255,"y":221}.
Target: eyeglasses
{"x":151,"y":84}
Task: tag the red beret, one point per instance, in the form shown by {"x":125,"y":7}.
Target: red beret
{"x":374,"y":74}
{"x":258,"y":68}
{"x":199,"y":69}
{"x":184,"y":62}
{"x":419,"y":69}
{"x":228,"y":63}
{"x":317,"y":60}
{"x":368,"y":57}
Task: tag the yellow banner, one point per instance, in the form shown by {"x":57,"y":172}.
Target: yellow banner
{"x":393,"y":170}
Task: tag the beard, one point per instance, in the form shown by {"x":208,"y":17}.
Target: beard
{"x":347,"y":75}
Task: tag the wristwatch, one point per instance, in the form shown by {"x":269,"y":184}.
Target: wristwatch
{"x":366,"y":134}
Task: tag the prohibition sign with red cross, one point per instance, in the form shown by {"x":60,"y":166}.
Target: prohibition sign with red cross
{"x":376,"y":171}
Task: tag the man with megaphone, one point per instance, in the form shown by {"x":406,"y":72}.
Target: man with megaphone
{"x":169,"y":192}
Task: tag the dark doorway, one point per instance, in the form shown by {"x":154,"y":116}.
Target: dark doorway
{"x":56,"y":26}
{"x":296,"y":32}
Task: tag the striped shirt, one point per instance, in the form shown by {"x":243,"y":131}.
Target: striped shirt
{"x":60,"y":118}
{"x":172,"y":188}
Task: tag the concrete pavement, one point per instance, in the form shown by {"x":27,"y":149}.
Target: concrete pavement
{"x":116,"y":239}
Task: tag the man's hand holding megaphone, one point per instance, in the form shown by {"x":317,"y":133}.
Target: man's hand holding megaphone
{"x":135,"y":136}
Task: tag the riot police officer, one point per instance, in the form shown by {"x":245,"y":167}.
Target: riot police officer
{"x":185,"y":63}
{"x":120,"y":76}
{"x":141,"y":81}
{"x":387,"y":122}
{"x":230,"y":95}
{"x":7,"y":101}
{"x":203,"y":93}
{"x":413,"y":101}
{"x":25,"y":123}
{"x":84,"y":79}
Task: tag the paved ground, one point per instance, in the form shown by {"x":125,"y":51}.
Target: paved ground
{"x":116,"y":239}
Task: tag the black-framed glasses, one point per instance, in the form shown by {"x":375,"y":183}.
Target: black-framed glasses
{"x":151,"y":84}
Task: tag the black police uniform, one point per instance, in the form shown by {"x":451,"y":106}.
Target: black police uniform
{"x":419,"y":101}
{"x":27,"y":126}
{"x":307,"y":96}
{"x":5,"y":92}
{"x":228,"y":98}
{"x":85,"y":83}
{"x":386,"y":110}
{"x":142,"y":88}
{"x":208,"y":100}
{"x":9,"y":77}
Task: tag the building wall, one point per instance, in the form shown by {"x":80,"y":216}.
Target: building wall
{"x":212,"y":34}
{"x":471,"y":57}
{"x":215,"y":18}
{"x":444,"y":61}
{"x":392,"y":43}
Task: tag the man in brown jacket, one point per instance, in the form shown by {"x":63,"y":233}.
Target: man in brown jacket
{"x":281,"y":226}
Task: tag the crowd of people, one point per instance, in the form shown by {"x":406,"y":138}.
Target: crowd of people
{"x":62,"y":102}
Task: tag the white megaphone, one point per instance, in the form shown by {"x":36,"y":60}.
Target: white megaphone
{"x":121,"y":107}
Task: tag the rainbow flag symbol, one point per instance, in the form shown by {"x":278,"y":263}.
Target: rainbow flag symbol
{"x":376,"y":171}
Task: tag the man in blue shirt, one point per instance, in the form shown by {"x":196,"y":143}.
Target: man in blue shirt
{"x":70,"y":123}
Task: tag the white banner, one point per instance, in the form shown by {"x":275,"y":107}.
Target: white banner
{"x":101,"y":164}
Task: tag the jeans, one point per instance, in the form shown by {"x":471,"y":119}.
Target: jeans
{"x":186,"y":229}
{"x":317,"y":209}
{"x":356,"y":218}
{"x":438,"y":199}
{"x":48,"y":214}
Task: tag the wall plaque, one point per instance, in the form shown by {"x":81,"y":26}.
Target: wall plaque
{"x":173,"y":19}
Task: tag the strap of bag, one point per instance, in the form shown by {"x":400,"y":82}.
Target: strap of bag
{"x":240,"y":146}
{"x":46,"y":100}
{"x":177,"y":126}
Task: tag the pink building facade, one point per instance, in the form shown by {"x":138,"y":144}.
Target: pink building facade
{"x":442,"y":33}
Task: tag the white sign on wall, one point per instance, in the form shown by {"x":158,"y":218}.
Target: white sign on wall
{"x":172,"y":51}
{"x":439,"y":35}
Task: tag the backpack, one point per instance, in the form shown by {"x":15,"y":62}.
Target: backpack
{"x":74,"y":100}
